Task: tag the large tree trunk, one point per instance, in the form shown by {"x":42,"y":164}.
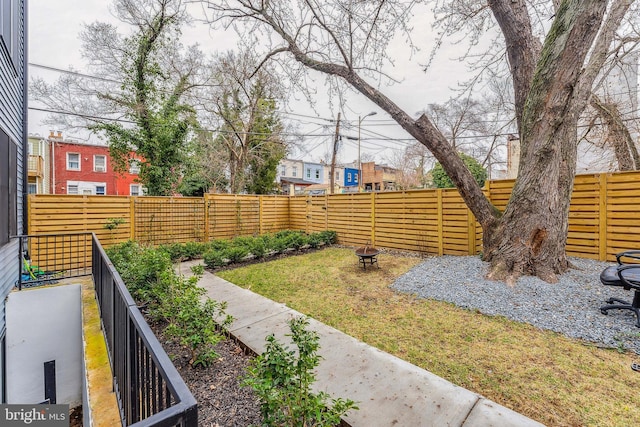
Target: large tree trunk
{"x":530,"y":237}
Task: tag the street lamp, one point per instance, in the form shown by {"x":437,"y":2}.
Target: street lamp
{"x":360,"y":119}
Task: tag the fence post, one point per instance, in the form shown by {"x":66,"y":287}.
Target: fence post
{"x":373,"y":218}
{"x":602,"y":218}
{"x":307,"y":225}
{"x":326,"y":211}
{"x":260,"y":215}
{"x":132,"y":218}
{"x":472,"y":232}
{"x":206,"y":216}
{"x":440,"y":224}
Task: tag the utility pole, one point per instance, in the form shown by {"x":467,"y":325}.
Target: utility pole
{"x":333,"y":157}
{"x":360,"y":119}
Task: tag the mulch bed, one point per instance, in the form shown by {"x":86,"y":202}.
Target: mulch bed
{"x":222,"y":401}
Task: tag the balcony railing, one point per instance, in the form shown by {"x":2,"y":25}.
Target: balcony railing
{"x":36,"y":166}
{"x":48,"y":258}
{"x":149,"y":389}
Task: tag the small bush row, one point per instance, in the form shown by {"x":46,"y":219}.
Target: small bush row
{"x":218,"y":253}
{"x":172,"y":299}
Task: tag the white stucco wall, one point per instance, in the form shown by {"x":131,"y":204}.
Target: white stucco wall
{"x":44,"y":324}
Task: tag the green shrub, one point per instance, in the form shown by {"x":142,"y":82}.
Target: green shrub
{"x":214,"y":258}
{"x":191,"y":320}
{"x":329,"y":236}
{"x":193,"y":250}
{"x":258,"y":247}
{"x":242,"y":241}
{"x":142,"y":268}
{"x":296,"y":240}
{"x":151,"y":279}
{"x":315,"y":240}
{"x":175,"y":251}
{"x":219,"y":244}
{"x":279,"y":243}
{"x":282,"y":380}
{"x":236,"y":253}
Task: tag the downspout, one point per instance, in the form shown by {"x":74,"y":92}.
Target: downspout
{"x":52,"y":162}
{"x":25,"y":122}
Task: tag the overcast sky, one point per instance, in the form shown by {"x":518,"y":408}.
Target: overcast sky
{"x":54,"y":27}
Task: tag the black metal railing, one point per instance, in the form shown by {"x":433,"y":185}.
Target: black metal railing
{"x":149,"y":389}
{"x":48,"y":258}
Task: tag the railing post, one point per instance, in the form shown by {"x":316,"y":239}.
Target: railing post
{"x":20,"y":260}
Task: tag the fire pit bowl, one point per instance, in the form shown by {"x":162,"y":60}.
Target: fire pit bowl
{"x":367,"y":251}
{"x":367,"y":254}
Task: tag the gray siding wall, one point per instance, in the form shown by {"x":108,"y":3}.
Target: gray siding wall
{"x":12,"y":122}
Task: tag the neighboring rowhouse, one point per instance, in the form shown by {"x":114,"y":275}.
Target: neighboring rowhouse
{"x":13,"y":171}
{"x":290,"y":177}
{"x":350,"y":175}
{"x":378,"y":177}
{"x":38,"y":165}
{"x":78,"y":168}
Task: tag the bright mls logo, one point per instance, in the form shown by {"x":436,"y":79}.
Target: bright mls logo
{"x":34,"y":415}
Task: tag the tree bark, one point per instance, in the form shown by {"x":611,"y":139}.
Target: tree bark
{"x":617,"y":134}
{"x":531,"y":235}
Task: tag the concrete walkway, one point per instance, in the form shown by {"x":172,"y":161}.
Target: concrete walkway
{"x":388,"y":390}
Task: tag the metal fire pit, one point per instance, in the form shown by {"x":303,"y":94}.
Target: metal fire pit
{"x":367,"y":255}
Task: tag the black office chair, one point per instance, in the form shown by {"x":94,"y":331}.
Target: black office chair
{"x":626,"y":275}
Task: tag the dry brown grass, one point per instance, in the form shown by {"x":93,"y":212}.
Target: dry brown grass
{"x":546,"y":376}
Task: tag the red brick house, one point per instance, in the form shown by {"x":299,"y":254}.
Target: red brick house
{"x":78,"y":168}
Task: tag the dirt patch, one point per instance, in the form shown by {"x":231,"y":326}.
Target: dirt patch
{"x":222,"y":401}
{"x":75,"y":417}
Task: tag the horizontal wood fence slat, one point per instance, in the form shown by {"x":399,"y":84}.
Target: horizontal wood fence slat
{"x":604,"y":217}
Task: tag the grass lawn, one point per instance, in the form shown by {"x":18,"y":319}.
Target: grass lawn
{"x":546,"y":376}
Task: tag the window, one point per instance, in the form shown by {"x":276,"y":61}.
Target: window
{"x":317,"y":173}
{"x":100,"y":163}
{"x":134,"y":167}
{"x":308,"y":172}
{"x":349,"y":176}
{"x":10,"y":28}
{"x":136,"y":190}
{"x":283,"y":171}
{"x":73,"y":161}
{"x":355,"y":178}
{"x":294,"y":171}
{"x":8,"y":188}
{"x":33,"y":188}
{"x":100,"y":190}
{"x":72,"y":189}
{"x":337,"y":176}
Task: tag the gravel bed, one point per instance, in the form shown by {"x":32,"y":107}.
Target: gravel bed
{"x":570,"y":307}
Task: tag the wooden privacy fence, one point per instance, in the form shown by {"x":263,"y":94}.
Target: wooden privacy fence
{"x":604,"y":218}
{"x":159,"y":220}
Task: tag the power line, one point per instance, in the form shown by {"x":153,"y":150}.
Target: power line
{"x":97,"y":118}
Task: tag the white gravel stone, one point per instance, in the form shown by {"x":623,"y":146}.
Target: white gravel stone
{"x":571,"y":306}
